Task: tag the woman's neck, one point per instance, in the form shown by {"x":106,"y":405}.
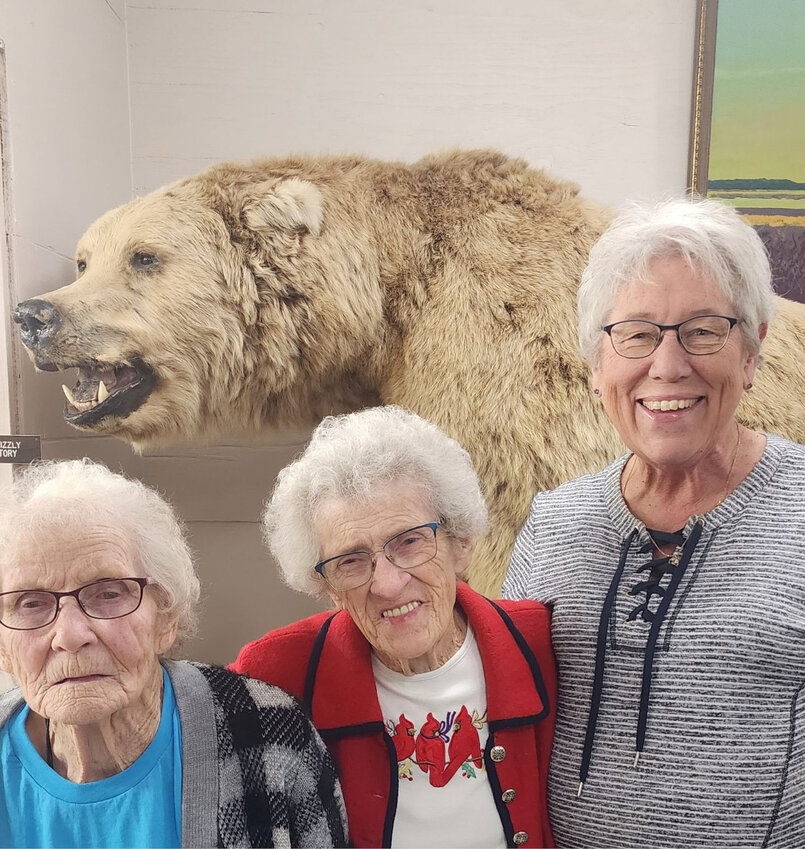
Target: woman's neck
{"x":91,"y":752}
{"x":664,"y":498}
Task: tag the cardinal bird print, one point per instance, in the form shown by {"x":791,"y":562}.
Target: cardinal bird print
{"x":442,"y":748}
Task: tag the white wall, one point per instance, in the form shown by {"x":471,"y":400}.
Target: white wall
{"x":6,"y":382}
{"x":69,"y":150}
{"x":599,"y":92}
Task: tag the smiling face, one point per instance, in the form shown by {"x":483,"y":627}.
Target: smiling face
{"x":406,"y":615}
{"x":673,"y":408}
{"x":79,"y":670}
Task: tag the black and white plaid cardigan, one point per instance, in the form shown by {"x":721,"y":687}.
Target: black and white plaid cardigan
{"x":254,"y":770}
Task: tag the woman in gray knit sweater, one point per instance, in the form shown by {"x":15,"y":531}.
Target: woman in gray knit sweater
{"x":675,"y":574}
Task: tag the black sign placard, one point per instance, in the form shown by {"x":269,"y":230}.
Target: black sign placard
{"x":20,"y":449}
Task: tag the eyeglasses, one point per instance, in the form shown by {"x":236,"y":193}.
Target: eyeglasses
{"x":108,"y":598}
{"x":412,"y":547}
{"x":636,"y":338}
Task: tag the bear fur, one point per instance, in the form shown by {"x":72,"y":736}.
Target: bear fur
{"x":276,"y":292}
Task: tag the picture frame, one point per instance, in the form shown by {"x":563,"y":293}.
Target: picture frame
{"x":748,"y":126}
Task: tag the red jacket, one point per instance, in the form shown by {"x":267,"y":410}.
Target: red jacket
{"x":325,"y":662}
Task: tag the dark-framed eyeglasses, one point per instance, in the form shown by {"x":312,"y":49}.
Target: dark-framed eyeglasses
{"x":635,"y":338}
{"x":107,"y":598}
{"x":406,"y":550}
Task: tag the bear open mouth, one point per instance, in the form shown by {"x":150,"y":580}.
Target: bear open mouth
{"x":104,"y":390}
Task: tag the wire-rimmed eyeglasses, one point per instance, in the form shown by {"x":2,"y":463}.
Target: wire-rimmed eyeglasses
{"x":635,"y":338}
{"x":407,"y":549}
{"x":107,"y":598}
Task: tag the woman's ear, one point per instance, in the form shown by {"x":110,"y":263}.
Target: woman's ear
{"x":462,"y":549}
{"x":167,"y":637}
{"x":335,"y":599}
{"x":595,"y":381}
{"x":751,"y":363}
{"x":5,"y":660}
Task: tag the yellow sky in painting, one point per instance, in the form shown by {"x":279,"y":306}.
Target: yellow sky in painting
{"x":758,"y":121}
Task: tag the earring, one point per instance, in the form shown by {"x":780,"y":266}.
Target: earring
{"x":596,"y":391}
{"x":748,"y":386}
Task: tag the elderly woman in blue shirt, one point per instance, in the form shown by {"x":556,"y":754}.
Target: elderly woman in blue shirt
{"x":106,"y":743}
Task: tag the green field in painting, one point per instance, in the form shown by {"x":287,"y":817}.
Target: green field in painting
{"x":760,"y":194}
{"x":761,"y":199}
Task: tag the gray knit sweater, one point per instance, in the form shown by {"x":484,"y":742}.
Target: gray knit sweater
{"x":722,"y":691}
{"x":254,"y":770}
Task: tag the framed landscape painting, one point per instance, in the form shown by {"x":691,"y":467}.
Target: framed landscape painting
{"x":748,"y":129}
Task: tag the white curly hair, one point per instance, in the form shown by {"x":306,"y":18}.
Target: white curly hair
{"x":69,"y":495}
{"x":347,"y":457}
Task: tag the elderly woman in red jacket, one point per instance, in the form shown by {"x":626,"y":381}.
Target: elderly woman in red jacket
{"x":437,"y":703}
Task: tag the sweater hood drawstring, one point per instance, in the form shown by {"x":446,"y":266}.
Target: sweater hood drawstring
{"x":648,"y":658}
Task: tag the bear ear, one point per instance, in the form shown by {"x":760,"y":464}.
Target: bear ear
{"x":291,"y":204}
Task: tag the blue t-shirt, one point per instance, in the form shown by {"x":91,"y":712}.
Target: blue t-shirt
{"x":139,"y":807}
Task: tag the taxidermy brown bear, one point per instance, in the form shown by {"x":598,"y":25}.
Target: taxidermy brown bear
{"x":278,"y":291}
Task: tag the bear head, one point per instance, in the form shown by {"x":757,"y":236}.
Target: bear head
{"x":211,"y":305}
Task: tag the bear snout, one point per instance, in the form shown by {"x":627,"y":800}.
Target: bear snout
{"x":39,"y":322}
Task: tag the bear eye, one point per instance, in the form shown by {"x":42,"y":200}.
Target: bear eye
{"x":142,"y":261}
{"x":81,"y":265}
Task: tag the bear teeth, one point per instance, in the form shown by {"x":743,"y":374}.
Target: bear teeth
{"x":83,"y":406}
{"x":68,"y":394}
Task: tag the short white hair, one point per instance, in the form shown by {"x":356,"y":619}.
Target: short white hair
{"x":710,"y":236}
{"x":347,"y":457}
{"x":71,"y":495}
